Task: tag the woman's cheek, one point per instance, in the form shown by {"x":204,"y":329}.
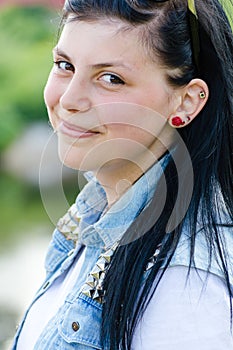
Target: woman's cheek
{"x":50,"y":100}
{"x":51,"y":91}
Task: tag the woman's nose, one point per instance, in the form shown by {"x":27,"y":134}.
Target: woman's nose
{"x":76,"y":96}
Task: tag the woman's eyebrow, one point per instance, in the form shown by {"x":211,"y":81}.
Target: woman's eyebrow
{"x":111,"y":64}
{"x":61,"y":53}
{"x":122,"y":64}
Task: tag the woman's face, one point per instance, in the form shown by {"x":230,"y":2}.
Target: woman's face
{"x":107,"y":101}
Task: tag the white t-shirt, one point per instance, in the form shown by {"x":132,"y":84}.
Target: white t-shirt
{"x":185,"y":314}
{"x":48,"y":304}
{"x":182,"y":315}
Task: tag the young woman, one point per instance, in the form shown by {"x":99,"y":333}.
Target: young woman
{"x":140,"y":96}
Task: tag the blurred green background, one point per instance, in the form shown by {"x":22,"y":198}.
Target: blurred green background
{"x":27,"y":36}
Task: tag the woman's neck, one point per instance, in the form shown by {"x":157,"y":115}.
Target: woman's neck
{"x":117,"y":176}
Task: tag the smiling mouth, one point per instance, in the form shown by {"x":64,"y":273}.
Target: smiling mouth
{"x":75,"y":131}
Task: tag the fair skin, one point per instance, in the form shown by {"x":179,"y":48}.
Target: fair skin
{"x":110,"y":104}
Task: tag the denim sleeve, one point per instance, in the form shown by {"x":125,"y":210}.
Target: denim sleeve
{"x":58,"y":250}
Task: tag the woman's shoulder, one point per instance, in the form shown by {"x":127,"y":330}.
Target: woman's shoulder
{"x":194,"y":311}
{"x":204,"y":258}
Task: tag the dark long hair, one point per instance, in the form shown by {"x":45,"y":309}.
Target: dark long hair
{"x":208,"y":139}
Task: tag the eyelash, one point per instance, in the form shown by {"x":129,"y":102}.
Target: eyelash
{"x":71,"y":68}
{"x":114,"y":76}
{"x":58,"y":63}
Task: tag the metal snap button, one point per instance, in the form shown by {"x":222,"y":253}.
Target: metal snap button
{"x":75,"y":326}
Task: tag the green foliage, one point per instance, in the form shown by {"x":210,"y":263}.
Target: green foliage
{"x":21,"y":210}
{"x":228,"y":8}
{"x":27,"y":35}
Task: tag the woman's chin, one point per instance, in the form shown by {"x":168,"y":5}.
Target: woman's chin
{"x":74,"y":159}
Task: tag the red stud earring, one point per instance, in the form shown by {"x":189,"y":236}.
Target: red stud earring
{"x":177,"y":121}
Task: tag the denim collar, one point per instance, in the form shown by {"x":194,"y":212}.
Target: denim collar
{"x":104,"y":230}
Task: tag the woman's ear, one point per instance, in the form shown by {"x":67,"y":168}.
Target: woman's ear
{"x":193,"y":98}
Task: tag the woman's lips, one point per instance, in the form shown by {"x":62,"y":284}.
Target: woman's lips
{"x":75,"y":131}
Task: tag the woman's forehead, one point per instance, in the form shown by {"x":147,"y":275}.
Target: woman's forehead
{"x":108,"y":38}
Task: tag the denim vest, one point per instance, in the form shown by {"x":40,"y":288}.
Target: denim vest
{"x":77,"y":323}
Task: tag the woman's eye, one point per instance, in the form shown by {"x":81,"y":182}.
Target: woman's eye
{"x":112,"y":79}
{"x":65,"y":66}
